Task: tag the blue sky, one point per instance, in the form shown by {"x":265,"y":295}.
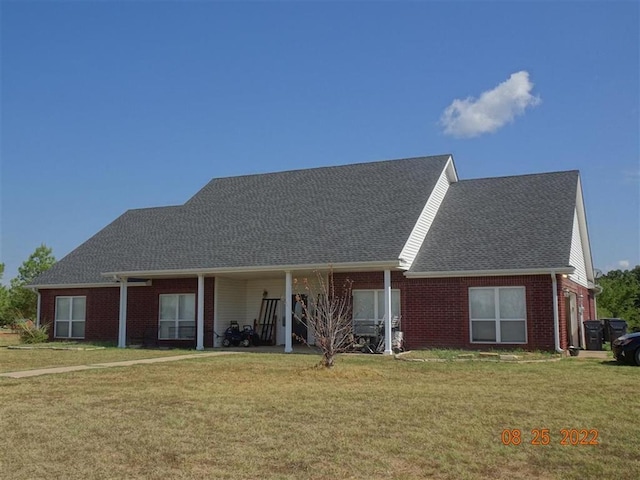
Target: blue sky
{"x":108,"y":106}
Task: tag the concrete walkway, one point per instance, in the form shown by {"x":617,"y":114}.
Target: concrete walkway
{"x":126,"y":363}
{"x":600,"y":354}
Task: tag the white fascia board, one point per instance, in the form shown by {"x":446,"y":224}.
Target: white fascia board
{"x":490,"y":273}
{"x":428,"y":214}
{"x":584,"y":232}
{"x":357,"y":266}
{"x":60,"y":286}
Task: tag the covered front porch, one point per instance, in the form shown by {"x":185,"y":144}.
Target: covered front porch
{"x":194,"y":309}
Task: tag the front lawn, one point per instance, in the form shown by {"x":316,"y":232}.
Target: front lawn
{"x":42,"y":356}
{"x":464,"y":355}
{"x":275,"y":416}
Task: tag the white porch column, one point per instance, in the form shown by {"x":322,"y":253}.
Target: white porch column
{"x":387,"y":312}
{"x":200,"y":314}
{"x":122,"y":327}
{"x":39,"y":300}
{"x":217,"y":342}
{"x":288,"y":348}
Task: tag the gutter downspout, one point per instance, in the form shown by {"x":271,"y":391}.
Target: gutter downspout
{"x":597,"y":290}
{"x":556,"y":315}
{"x":38,"y":308}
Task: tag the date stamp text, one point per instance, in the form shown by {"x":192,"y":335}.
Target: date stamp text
{"x":544,"y":436}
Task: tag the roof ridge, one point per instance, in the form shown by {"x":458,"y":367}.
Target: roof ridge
{"x":315,"y":169}
{"x":152,"y":208}
{"x":391,"y":160}
{"x":539,"y":174}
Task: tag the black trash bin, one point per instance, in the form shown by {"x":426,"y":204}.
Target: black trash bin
{"x":617,"y":328}
{"x":605,"y":330}
{"x":593,"y":333}
{"x":606,"y":325}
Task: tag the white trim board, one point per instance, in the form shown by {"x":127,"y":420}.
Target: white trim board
{"x":490,"y":273}
{"x":428,"y":214}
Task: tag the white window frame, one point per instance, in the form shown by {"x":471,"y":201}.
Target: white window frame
{"x":379,"y":316}
{"x":176,"y":320}
{"x":69,"y":318}
{"x":497,"y":320}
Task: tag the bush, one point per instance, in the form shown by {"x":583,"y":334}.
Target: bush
{"x":29,"y":332}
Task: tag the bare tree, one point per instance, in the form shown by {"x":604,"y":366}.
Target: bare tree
{"x":327,"y":314}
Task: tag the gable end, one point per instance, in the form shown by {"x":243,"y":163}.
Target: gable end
{"x":580,"y":256}
{"x":428,"y":214}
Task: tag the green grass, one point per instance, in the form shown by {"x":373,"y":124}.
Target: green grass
{"x":457,"y":354}
{"x":275,"y":416}
{"x":42,"y":356}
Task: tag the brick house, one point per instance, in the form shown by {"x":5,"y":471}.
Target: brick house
{"x":477,"y":263}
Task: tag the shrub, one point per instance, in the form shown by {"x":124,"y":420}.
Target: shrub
{"x":29,"y":332}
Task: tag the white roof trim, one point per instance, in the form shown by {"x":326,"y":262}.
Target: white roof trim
{"x":490,"y":273}
{"x":62,"y":286}
{"x":258,"y":269}
{"x":584,"y":233}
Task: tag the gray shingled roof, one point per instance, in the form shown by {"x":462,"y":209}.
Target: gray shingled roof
{"x":521,"y":222}
{"x":353,"y":213}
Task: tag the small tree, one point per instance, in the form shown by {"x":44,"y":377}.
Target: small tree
{"x":5,"y":316}
{"x":620,"y":296}
{"x":22,"y":300}
{"x":327,"y":314}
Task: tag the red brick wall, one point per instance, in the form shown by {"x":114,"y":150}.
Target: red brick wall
{"x":435,"y":311}
{"x":143,"y":303}
{"x":103,"y":307}
{"x":588,"y":304}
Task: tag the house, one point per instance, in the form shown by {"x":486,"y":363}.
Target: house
{"x":476,"y":263}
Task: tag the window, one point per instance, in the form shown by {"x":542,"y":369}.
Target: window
{"x":369,"y":304}
{"x":498,"y":315}
{"x":70,"y":317}
{"x":177,"y":317}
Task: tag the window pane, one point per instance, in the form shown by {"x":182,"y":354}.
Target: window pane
{"x":363,"y":304}
{"x":482,"y":303}
{"x":512,"y":332}
{"x":186,"y":330}
{"x":380,"y":300}
{"x":168,"y":307}
{"x":395,"y":303}
{"x":512,"y":303}
{"x":77,"y":329}
{"x":166,"y":329}
{"x":62,"y":308}
{"x":79,"y":307}
{"x":483,"y":331}
{"x":62,"y":329}
{"x":187,"y":308}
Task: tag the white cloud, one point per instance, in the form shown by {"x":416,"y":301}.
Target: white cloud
{"x":494,"y":108}
{"x":624,"y":264}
